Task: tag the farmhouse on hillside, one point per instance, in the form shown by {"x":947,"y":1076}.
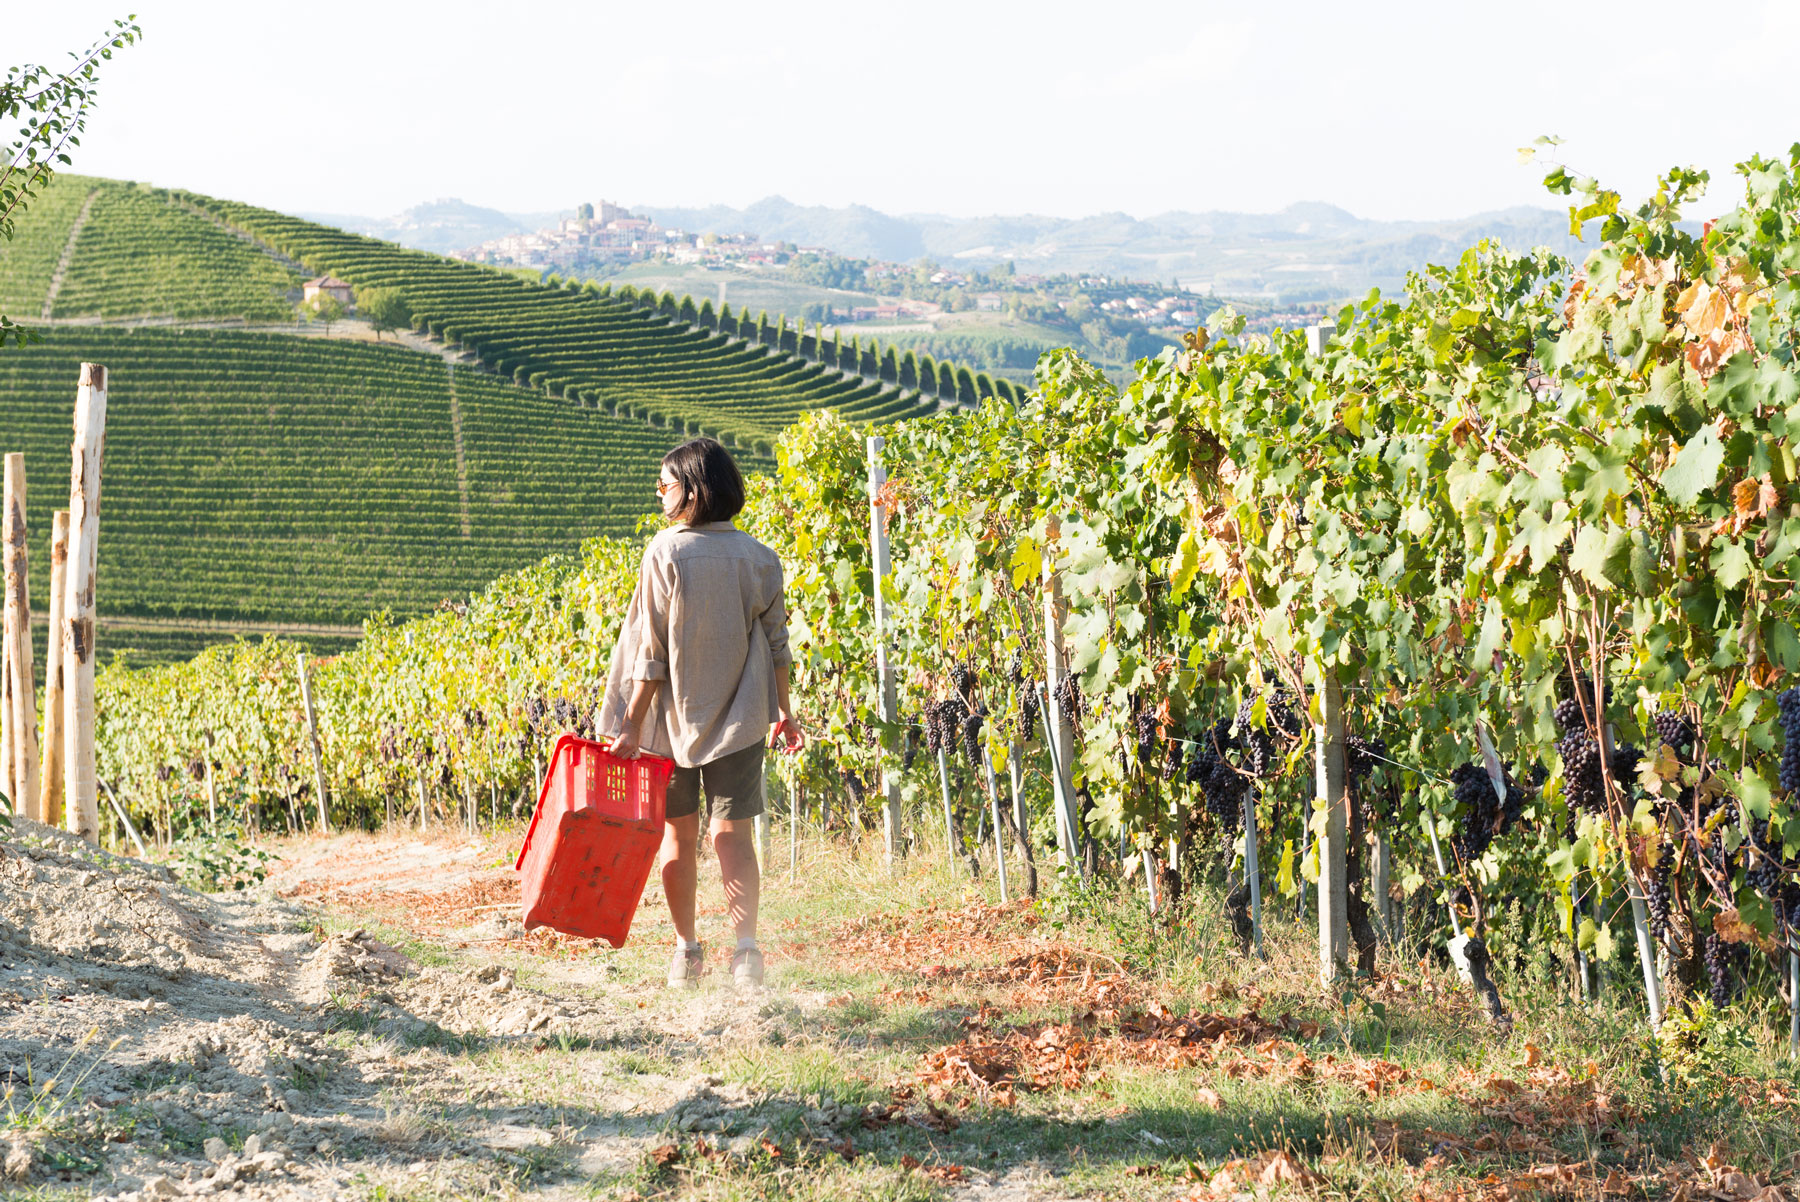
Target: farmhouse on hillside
{"x":330,"y":286}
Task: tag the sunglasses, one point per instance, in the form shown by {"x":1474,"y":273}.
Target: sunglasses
{"x":663,"y":486}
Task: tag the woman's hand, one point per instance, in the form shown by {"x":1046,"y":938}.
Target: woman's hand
{"x":787,"y":734}
{"x":625,"y":745}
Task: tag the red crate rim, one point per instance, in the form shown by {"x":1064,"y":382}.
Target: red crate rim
{"x":572,"y":741}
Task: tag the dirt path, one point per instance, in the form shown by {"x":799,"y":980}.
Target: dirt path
{"x":376,"y":1018}
{"x":374,"y":1024}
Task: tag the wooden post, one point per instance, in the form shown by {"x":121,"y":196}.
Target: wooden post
{"x":1334,"y":893}
{"x":7,"y":783}
{"x":23,"y":787}
{"x":422,"y":802}
{"x":50,"y":786}
{"x":80,"y":791}
{"x":312,"y":731}
{"x":884,"y":671}
{"x":1379,"y":875}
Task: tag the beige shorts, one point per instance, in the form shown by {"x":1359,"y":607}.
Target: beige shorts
{"x":734,"y":785}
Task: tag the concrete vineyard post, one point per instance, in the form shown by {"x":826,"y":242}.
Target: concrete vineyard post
{"x":987,"y":764}
{"x":1640,"y":917}
{"x":312,"y":741}
{"x":1059,"y":727}
{"x":22,"y":786}
{"x":212,"y":784}
{"x":1334,"y":885}
{"x":949,"y":822}
{"x":125,"y":821}
{"x":884,"y":671}
{"x":50,"y":796}
{"x":1437,"y":854}
{"x":1794,"y":1003}
{"x":80,"y":793}
{"x":1067,"y":852}
{"x":1252,"y":869}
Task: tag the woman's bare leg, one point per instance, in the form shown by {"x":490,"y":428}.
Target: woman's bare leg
{"x":734,"y":840}
{"x":680,"y":871}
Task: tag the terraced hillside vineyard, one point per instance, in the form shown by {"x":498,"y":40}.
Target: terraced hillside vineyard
{"x":28,"y":261}
{"x":138,"y":255}
{"x":266,"y":480}
{"x":580,"y":344}
{"x":258,"y":476}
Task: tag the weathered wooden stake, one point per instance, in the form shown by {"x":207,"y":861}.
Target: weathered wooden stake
{"x":1379,"y":876}
{"x":1334,"y":885}
{"x":80,"y":793}
{"x":50,"y":785}
{"x":22,"y":787}
{"x":312,"y":731}
{"x":884,"y":671}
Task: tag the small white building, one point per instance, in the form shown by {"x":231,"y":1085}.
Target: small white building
{"x":328,"y":285}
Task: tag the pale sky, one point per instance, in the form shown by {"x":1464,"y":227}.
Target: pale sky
{"x":1389,"y":109}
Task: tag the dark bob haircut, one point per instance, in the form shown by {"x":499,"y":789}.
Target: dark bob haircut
{"x":712,"y":488}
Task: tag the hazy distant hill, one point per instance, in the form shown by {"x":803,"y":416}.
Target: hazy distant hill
{"x":441,"y":225}
{"x":1307,"y":251}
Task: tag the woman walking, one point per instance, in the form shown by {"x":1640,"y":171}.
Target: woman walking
{"x":700,"y":674}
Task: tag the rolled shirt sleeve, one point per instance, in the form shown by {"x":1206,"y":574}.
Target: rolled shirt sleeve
{"x":648,"y":619}
{"x":774,"y":623}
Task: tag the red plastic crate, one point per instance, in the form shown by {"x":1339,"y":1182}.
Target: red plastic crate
{"x":592,"y":840}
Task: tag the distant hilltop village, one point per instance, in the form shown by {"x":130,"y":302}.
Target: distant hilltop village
{"x":611,"y":234}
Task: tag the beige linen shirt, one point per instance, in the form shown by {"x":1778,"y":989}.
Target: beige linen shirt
{"x":708,"y":618}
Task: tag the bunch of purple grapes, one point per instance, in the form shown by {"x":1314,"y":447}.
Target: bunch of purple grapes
{"x":971,"y":737}
{"x":1173,"y":750}
{"x":1222,"y":787}
{"x":1068,"y":700}
{"x":1787,"y":704}
{"x":1719,"y":960}
{"x":1674,"y":732}
{"x":1143,"y":722}
{"x":943,"y":723}
{"x":1658,"y":892}
{"x":962,"y":678}
{"x":1026,"y":688}
{"x":1473,"y":795}
{"x":1582,"y":784}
